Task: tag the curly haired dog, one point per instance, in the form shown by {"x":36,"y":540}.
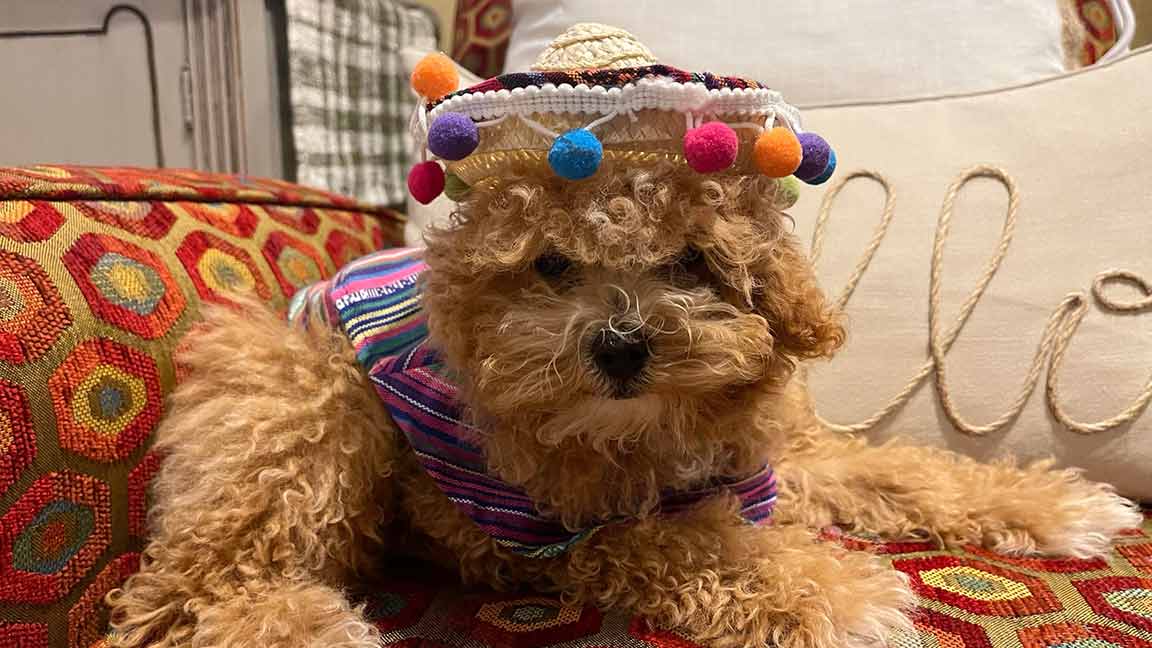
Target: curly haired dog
{"x":285,"y":480}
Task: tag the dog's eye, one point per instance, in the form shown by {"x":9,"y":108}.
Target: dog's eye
{"x":552,"y":266}
{"x":691,"y":260}
{"x":690,"y":268}
{"x":689,"y":256}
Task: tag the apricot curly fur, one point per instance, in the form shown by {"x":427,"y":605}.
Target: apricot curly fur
{"x":277,"y":457}
{"x":284,"y":476}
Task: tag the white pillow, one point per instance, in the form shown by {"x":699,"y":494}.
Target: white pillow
{"x":822,"y":51}
{"x":1076,"y":147}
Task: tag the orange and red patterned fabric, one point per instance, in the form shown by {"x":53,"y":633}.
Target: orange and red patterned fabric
{"x":483,"y":28}
{"x":1100,"y":27}
{"x":102,"y":272}
{"x":970,"y":598}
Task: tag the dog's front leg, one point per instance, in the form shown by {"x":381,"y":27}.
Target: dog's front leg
{"x":723,"y":583}
{"x":898,"y":490}
{"x":275,"y":477}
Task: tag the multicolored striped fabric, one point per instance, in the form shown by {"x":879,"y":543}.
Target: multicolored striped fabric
{"x":376,"y":302}
{"x":423,"y":401}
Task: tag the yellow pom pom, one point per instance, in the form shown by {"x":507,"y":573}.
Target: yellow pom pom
{"x":435,"y":76}
{"x":777,"y":152}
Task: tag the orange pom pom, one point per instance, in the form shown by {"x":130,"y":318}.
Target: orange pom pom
{"x":435,"y":76}
{"x":777,"y":152}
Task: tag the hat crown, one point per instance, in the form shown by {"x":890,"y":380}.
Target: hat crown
{"x":587,"y":46}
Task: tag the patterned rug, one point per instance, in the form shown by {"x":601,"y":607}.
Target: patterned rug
{"x":969,"y":598}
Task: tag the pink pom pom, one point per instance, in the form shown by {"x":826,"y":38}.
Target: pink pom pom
{"x":426,"y":181}
{"x":711,"y":147}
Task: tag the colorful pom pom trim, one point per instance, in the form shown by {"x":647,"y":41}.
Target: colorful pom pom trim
{"x":576,"y":155}
{"x":453,"y":136}
{"x":710,"y":145}
{"x":787,"y":192}
{"x":777,"y":152}
{"x":829,"y":169}
{"x":455,"y":189}
{"x":435,"y":76}
{"x":426,"y":182}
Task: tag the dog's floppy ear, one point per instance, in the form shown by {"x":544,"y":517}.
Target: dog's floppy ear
{"x":802,"y":321}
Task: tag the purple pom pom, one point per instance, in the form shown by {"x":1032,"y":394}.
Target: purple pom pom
{"x":828,"y":171}
{"x":815,"y":160}
{"x":453,"y":136}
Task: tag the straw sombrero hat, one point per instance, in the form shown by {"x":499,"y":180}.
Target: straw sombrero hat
{"x":597,"y":98}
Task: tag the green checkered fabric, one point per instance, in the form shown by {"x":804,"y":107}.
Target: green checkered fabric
{"x":349,"y":93}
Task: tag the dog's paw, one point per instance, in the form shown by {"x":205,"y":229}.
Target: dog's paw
{"x":874,"y":603}
{"x":863,"y":605}
{"x":1072,"y":517}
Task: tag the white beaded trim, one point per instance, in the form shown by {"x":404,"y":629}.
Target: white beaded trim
{"x":644,"y":94}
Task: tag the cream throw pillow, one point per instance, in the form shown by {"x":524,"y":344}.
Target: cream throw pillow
{"x":824,"y":50}
{"x":1076,"y":148}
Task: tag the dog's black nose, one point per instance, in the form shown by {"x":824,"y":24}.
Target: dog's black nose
{"x":619,"y":357}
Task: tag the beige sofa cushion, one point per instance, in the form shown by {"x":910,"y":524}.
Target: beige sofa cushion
{"x":1076,"y":148}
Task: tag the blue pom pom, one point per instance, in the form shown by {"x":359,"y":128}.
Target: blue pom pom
{"x":453,"y":136}
{"x":576,"y":155}
{"x":827,"y":173}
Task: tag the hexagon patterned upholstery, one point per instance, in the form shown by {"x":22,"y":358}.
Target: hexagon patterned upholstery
{"x":101,"y":273}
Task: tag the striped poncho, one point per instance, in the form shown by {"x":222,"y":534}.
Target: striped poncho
{"x":375,"y":301}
